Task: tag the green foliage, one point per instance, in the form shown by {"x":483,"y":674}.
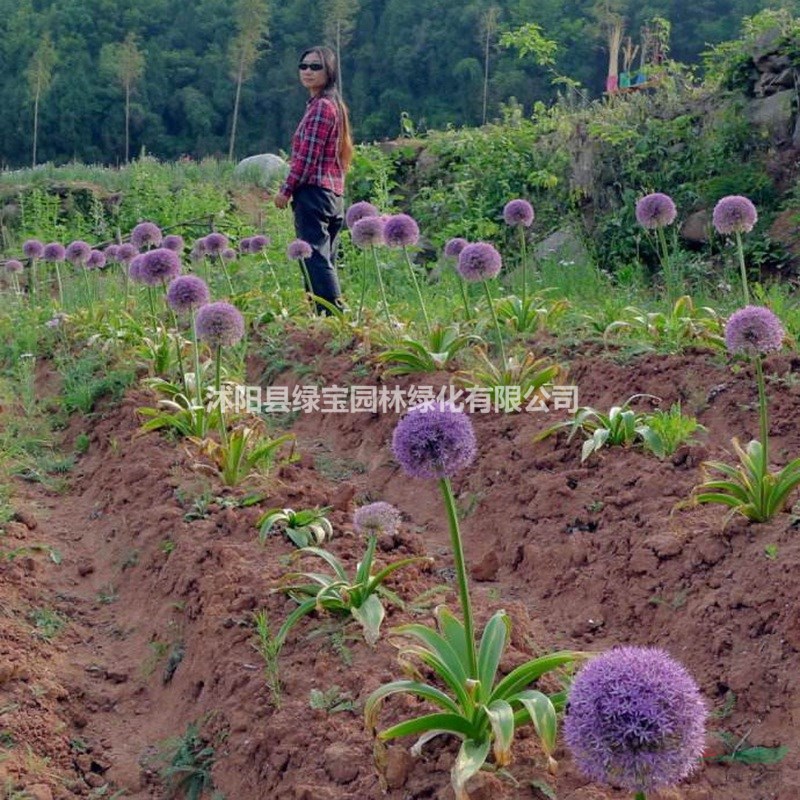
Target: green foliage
{"x":749,"y":489}
{"x":665,"y":431}
{"x":335,"y":591}
{"x":310,"y":526}
{"x":269,"y":648}
{"x":427,"y":355}
{"x":483,"y":712}
{"x":331,"y":700}
{"x":89,"y":377}
{"x":188,"y":761}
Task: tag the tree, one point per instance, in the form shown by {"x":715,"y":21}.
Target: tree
{"x":125,"y":61}
{"x":40,"y":76}
{"x":252,"y":25}
{"x":488,"y":23}
{"x":338,"y":28}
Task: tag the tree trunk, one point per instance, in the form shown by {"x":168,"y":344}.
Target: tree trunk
{"x":35,"y":125}
{"x":239,"y":80}
{"x":127,"y":122}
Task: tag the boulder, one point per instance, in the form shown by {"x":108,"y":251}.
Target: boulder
{"x":562,"y":245}
{"x":773,"y":114}
{"x":266,"y":170}
{"x":696,"y":227}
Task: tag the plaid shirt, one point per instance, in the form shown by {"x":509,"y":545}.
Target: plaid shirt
{"x":315,"y":149}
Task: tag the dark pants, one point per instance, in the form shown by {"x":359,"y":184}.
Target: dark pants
{"x":318,"y":218}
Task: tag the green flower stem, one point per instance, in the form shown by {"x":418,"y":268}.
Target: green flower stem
{"x":181,"y":370}
{"x":742,"y":267}
{"x":418,"y":291}
{"x":363,"y":286}
{"x":496,"y":325}
{"x":307,"y":284}
{"x":461,"y":574}
{"x":152,"y":303}
{"x":33,"y":282}
{"x":223,"y":432}
{"x":278,"y":288}
{"x":227,"y":274}
{"x":463,"y":286}
{"x":666,"y":266}
{"x":639,"y":796}
{"x":197,"y":382}
{"x":762,"y":416}
{"x":382,"y":287}
{"x":58,"y":280}
{"x":524,"y":265}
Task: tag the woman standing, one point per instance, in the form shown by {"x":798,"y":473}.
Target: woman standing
{"x":322,"y":150}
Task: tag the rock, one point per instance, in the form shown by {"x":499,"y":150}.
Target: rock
{"x":39,"y":791}
{"x":564,"y":245}
{"x":117,"y":676}
{"x":85,"y":567}
{"x":664,"y":545}
{"x":341,"y":763}
{"x":27,"y":519}
{"x":696,"y":227}
{"x":265,"y":170}
{"x":773,"y":114}
{"x":399,"y":764}
{"x":486,"y":569}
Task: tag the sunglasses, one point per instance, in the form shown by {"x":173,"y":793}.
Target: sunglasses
{"x":313,"y":67}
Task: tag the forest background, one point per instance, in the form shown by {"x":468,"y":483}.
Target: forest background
{"x":184,"y":74}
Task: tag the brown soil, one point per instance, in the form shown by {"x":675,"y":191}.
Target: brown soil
{"x":158,"y":636}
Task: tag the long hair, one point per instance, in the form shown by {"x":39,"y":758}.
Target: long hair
{"x":331,"y":90}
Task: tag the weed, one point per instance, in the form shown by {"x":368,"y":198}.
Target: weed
{"x":107,"y":595}
{"x":269,"y":649}
{"x":48,"y":623}
{"x":333,"y":700}
{"x":81,"y":444}
{"x":167,"y":546}
{"x":188,"y":760}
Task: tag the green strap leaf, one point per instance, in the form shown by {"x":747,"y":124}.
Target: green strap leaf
{"x":501,"y":718}
{"x":370,"y":615}
{"x":543,"y":715}
{"x":451,"y":723}
{"x":527,"y":673}
{"x":471,"y":757}
{"x":422,"y":690}
{"x":493,"y":642}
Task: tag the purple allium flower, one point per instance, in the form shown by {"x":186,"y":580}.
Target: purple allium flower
{"x":12,"y":265}
{"x":358,"y":211}
{"x":734,"y":213}
{"x":146,"y":234}
{"x":135,"y":268}
{"x":401,"y":231}
{"x":33,"y":248}
{"x":635,"y":720}
{"x":518,"y":212}
{"x":377,"y":517}
{"x":655,"y":210}
{"x":54,"y":251}
{"x":96,"y":260}
{"x":454,"y":247}
{"x":173,"y":242}
{"x":244,"y":245}
{"x":298,"y":249}
{"x":753,"y":330}
{"x":77,"y":252}
{"x":219,"y":324}
{"x":367,"y":232}
{"x":258,"y":243}
{"x":434,"y":440}
{"x":56,"y":321}
{"x":112,"y":253}
{"x":126,"y":253}
{"x":215,"y":243}
{"x":479,"y":262}
{"x":228,"y":254}
{"x":187,"y":292}
{"x":159,"y":266}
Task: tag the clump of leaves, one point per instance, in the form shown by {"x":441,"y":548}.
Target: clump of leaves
{"x":333,"y":700}
{"x":268,"y":647}
{"x":337,"y":592}
{"x":665,"y":431}
{"x":304,"y":528}
{"x":188,"y":762}
{"x":428,"y":355}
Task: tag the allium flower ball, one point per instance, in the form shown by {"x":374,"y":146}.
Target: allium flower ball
{"x":33,"y":248}
{"x":258,"y":243}
{"x":159,"y":266}
{"x":77,"y":252}
{"x":219,"y":324}
{"x":135,"y":268}
{"x":244,"y":245}
{"x":434,"y":440}
{"x":54,"y":251}
{"x":635,"y":720}
{"x":146,"y":234}
{"x":753,"y":330}
{"x":173,"y":242}
{"x":401,"y":231}
{"x":734,"y":213}
{"x":96,"y":260}
{"x":367,"y":232}
{"x":228,"y":254}
{"x":454,"y":247}
{"x":655,"y":210}
{"x":12,"y":265}
{"x":298,"y":249}
{"x":518,"y":212}
{"x":359,"y":211}
{"x":112,"y":253}
{"x":377,"y":517}
{"x":186,"y":293}
{"x":479,"y":262}
{"x":126,"y":253}
{"x":215,"y":243}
